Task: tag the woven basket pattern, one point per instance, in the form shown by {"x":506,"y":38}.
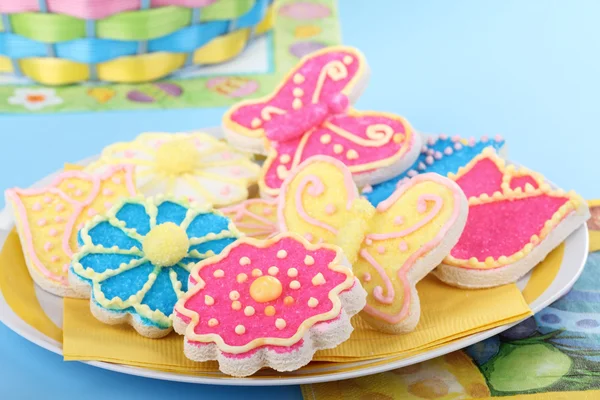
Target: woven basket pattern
{"x":67,"y":41}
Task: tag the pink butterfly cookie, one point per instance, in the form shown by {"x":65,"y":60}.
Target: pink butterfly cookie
{"x":268,"y":303}
{"x":391,"y":247}
{"x":515,"y":220}
{"x":309,"y":114}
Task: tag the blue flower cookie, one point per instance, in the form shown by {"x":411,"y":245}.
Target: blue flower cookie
{"x":134,"y":261}
{"x":441,"y":155}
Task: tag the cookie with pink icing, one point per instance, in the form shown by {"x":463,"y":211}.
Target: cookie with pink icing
{"x":391,"y":247}
{"x":268,"y":303}
{"x":515,"y":219}
{"x":254,"y":217}
{"x":309,"y":114}
{"x":48,"y":219}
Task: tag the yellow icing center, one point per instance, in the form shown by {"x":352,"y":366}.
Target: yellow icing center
{"x":265,"y":288}
{"x":166,"y":244}
{"x":177,"y":157}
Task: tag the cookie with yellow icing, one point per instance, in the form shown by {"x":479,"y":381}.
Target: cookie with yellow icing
{"x":391,"y":247}
{"x":48,"y":219}
{"x":192,"y":165}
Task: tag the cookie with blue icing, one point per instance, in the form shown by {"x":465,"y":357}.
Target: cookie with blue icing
{"x":441,"y":155}
{"x":134,"y":261}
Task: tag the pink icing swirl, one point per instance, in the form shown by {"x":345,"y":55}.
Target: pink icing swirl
{"x":315,"y":189}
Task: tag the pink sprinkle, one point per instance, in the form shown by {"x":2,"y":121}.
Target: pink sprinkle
{"x":47,"y":199}
{"x":366,"y":277}
{"x":107,"y":192}
{"x":429,"y":160}
{"x":108,"y":205}
{"x":65,"y":267}
{"x":54,"y":258}
{"x":437,"y":155}
{"x":36,"y":207}
{"x":430,"y":152}
{"x":484,"y":139}
{"x":402,"y":246}
{"x":448,"y":151}
{"x":78,"y":192}
{"x":330,"y":209}
{"x":367,"y":189}
{"x":455,"y":138}
{"x":421,"y":166}
{"x":412,"y":173}
{"x":53,"y":232}
{"x":308,"y":237}
{"x":368,"y":241}
{"x":225,"y":190}
{"x":58,"y":218}
{"x":41,"y":222}
{"x":48,"y":246}
{"x":91,"y":212}
{"x":498,"y":138}
{"x":80,"y":226}
{"x":236,"y":171}
{"x":380,"y":249}
{"x":226,"y":156}
{"x":60,"y":207}
{"x":70,"y":185}
{"x":472,"y":142}
{"x":398,"y":220}
{"x":267,"y":211}
{"x":443,"y":136}
{"x":128,"y":154}
{"x":116,"y":180}
{"x":431,"y":141}
{"x":457,"y":146}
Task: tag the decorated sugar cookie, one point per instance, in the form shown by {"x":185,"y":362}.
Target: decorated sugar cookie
{"x":49,"y":218}
{"x":515,"y":220}
{"x":441,"y":155}
{"x":392,"y":246}
{"x":268,"y":303}
{"x":254,"y":217}
{"x":192,"y":165}
{"x":309,"y":114}
{"x":134,"y":261}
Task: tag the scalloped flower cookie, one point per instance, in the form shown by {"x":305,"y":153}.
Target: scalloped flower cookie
{"x":268,"y":303}
{"x":192,"y":165}
{"x":391,"y":246}
{"x":515,"y":219}
{"x":48,"y":219}
{"x":134,"y":261}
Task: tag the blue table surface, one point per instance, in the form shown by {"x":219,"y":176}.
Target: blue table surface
{"x":524,"y":69}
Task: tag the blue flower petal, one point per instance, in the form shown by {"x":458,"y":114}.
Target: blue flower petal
{"x":101,"y":262}
{"x":215,"y":245}
{"x":135,"y":217}
{"x":126,"y":283}
{"x":203,"y":224}
{"x":170,"y":212}
{"x":161,"y":295}
{"x":106,"y":235}
{"x":182,"y":276}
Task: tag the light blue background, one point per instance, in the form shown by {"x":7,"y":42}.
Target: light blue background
{"x":524,"y":69}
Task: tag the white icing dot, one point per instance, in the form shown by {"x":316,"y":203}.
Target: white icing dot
{"x":325,"y":139}
{"x":351,"y":154}
{"x":298,"y":78}
{"x":338,"y":148}
{"x":219,"y":273}
{"x":240,"y":329}
{"x":256,"y":272}
{"x":297,"y":104}
{"x":213,"y":322}
{"x":318,"y":279}
{"x":347,"y":60}
{"x":298,"y":92}
{"x":280,"y":323}
{"x":285,"y":158}
{"x":292,"y":272}
{"x":245,"y":261}
{"x":309,"y":260}
{"x":241,"y":278}
{"x":273,"y":270}
{"x":295,"y":285}
{"x":236,"y":305}
{"x":208,"y":300}
{"x":312,"y":302}
{"x":281,"y":254}
{"x":255,"y":123}
{"x":234,"y":295}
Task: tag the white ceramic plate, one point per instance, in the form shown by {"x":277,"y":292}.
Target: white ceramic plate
{"x":575,"y":255}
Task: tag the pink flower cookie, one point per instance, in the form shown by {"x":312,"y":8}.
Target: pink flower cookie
{"x":268,"y":303}
{"x":254,"y":217}
{"x":49,"y":218}
{"x":391,"y":247}
{"x":309,"y":114}
{"x":515,"y":220}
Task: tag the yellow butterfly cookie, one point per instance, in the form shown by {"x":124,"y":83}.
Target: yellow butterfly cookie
{"x":391,"y":247}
